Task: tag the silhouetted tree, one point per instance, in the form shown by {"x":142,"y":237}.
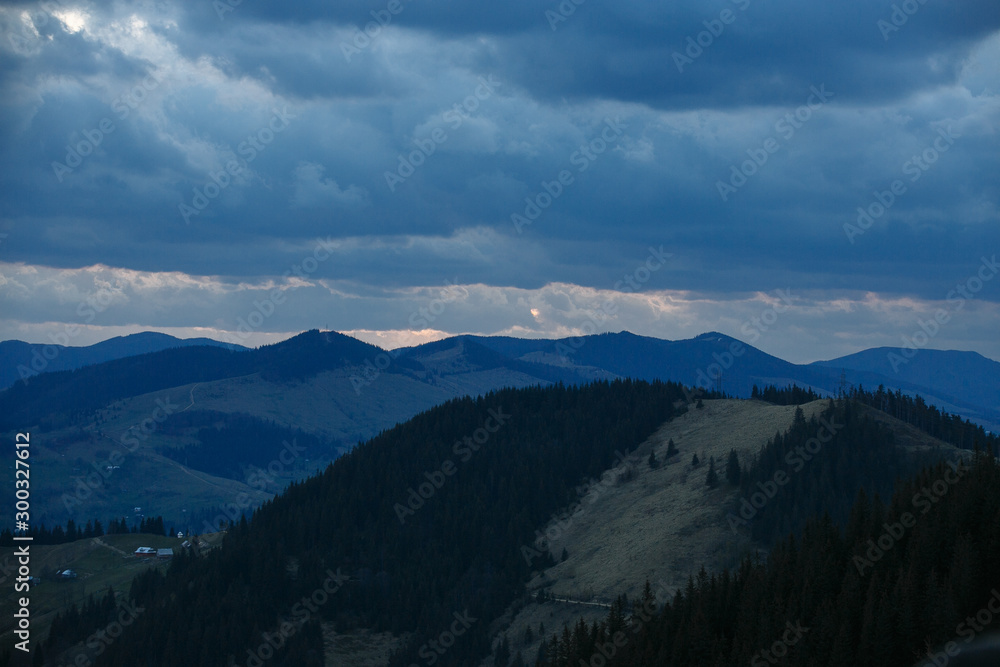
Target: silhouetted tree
{"x":712,"y":478}
{"x":671,"y":448}
{"x":733,"y":468}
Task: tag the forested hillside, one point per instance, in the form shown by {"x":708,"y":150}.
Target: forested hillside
{"x":56,"y":399}
{"x":816,"y":466}
{"x":890,"y":589}
{"x":421,"y":532}
{"x":420,"y":524}
{"x":227,"y":444}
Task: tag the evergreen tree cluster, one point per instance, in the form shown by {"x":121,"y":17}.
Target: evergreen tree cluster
{"x":460,"y":550}
{"x":74,"y":625}
{"x":797,"y":475}
{"x":791,"y":395}
{"x":913,"y":410}
{"x":849,"y":600}
{"x":228,"y":442}
{"x":73,"y":532}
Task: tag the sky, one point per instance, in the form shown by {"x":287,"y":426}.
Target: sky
{"x":812,"y":178}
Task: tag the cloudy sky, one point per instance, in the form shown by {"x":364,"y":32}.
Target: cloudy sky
{"x":403,"y":170}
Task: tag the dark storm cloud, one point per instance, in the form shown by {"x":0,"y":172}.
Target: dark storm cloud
{"x":326,"y":127}
{"x":763,"y":51}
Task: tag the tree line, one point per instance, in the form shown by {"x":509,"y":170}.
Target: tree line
{"x":889,"y":589}
{"x":424,"y":521}
{"x":93,"y":528}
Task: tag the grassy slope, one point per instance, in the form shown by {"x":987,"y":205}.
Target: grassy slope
{"x":326,"y":405}
{"x":664,"y":524}
{"x":99,"y":563}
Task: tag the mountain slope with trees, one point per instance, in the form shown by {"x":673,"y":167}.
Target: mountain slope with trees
{"x":425,"y":522}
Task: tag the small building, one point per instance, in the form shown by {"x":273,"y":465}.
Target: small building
{"x":66,"y":575}
{"x":164,"y":554}
{"x":145,"y":552}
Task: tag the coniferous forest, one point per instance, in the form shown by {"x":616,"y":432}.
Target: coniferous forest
{"x":424,"y":527}
{"x":421,"y":523}
{"x":889,"y":589}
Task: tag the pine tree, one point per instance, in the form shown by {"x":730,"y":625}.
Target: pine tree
{"x":711,"y":479}
{"x":501,"y":654}
{"x":671,"y":448}
{"x":653,"y":463}
{"x":733,"y":471}
{"x":694,"y":460}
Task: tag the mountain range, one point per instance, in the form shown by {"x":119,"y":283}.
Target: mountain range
{"x":155,"y":409}
{"x":20,"y":360}
{"x":497,"y":478}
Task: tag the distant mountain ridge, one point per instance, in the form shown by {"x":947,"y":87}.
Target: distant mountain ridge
{"x":952,"y":373}
{"x":965,"y":383}
{"x":19,"y":359}
{"x":343,"y":391}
